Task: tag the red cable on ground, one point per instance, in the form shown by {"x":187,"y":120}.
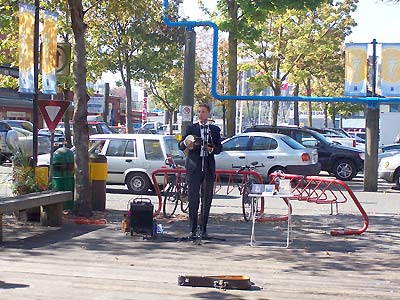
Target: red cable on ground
{"x":86,"y":221}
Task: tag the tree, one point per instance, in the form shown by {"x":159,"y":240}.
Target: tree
{"x":168,"y":92}
{"x":130,"y":38}
{"x":291,"y":43}
{"x":8,"y":40}
{"x":238,"y":17}
{"x":83,"y":204}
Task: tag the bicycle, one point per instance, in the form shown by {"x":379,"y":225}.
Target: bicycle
{"x":249,"y":204}
{"x":175,"y":192}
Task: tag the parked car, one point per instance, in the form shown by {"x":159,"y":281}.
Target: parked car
{"x":25,"y":142}
{"x":390,"y":148}
{"x":360,"y":134}
{"x":131,"y":158}
{"x":94,"y":127}
{"x":274,"y":152}
{"x":176,"y":128}
{"x":336,"y":136}
{"x":341,"y":161}
{"x":27,"y":125}
{"x":389,"y":169}
{"x":8,"y":136}
{"x":154,"y":127}
{"x":59,"y":137}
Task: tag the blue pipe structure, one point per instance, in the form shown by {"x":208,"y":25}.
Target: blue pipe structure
{"x":371,"y":101}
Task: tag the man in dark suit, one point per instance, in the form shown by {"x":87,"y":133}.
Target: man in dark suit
{"x":202,"y":140}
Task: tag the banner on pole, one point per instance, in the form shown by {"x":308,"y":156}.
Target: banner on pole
{"x":144,"y":110}
{"x":26,"y":37}
{"x":356,"y":70}
{"x":390,"y":70}
{"x":49,"y":53}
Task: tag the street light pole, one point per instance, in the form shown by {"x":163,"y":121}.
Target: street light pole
{"x":35,"y":98}
{"x":372,"y":132}
{"x":189,"y":74}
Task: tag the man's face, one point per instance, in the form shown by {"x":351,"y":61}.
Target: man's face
{"x":203,"y":114}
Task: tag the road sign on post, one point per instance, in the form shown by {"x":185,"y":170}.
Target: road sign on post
{"x":63,"y":58}
{"x":52,"y":111}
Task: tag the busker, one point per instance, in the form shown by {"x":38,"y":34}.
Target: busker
{"x":203,"y":141}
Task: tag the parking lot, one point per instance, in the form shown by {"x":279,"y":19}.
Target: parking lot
{"x":100,"y":262}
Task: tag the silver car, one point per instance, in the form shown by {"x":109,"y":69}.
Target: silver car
{"x":24,"y":142}
{"x":389,"y":169}
{"x":275,"y":152}
{"x":131,"y":158}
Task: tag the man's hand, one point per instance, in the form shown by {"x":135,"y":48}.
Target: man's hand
{"x":189,"y":142}
{"x":209,"y":148}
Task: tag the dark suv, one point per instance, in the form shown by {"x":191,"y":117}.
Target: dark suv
{"x":341,"y":161}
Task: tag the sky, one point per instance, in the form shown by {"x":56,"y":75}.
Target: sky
{"x":375,"y":19}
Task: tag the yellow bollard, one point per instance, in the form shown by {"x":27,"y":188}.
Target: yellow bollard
{"x":98,"y":177}
{"x":42,"y":176}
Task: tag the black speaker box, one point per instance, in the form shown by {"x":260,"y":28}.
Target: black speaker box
{"x":141,"y":217}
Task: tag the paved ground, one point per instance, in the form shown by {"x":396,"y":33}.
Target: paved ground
{"x":100,"y":262}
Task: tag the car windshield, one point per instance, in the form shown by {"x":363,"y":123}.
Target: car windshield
{"x":172,"y":148}
{"x":292,"y":143}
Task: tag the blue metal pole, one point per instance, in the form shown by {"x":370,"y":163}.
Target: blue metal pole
{"x":191,"y":24}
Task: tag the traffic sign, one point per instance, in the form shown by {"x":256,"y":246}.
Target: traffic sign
{"x":52,"y":111}
{"x":63,"y":58}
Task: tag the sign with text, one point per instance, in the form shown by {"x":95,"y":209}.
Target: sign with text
{"x":96,"y":105}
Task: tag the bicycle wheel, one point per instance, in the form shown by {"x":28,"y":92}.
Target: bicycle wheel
{"x":184,"y":198}
{"x":170,"y":201}
{"x":247,"y":206}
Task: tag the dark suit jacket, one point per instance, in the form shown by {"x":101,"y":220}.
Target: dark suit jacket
{"x":193,"y":159}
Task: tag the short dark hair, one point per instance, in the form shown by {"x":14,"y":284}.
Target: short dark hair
{"x":206,"y":106}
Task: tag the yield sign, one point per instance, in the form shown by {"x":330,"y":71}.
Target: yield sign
{"x":52,"y":111}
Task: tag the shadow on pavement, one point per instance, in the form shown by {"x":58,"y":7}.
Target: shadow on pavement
{"x":7,"y":285}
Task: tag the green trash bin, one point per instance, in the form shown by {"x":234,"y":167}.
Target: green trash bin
{"x":63,"y":173}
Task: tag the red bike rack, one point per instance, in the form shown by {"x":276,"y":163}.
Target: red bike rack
{"x":321,"y":190}
{"x":179,"y":171}
{"x":313,"y":189}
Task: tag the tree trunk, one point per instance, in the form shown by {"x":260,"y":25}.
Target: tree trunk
{"x":232,"y":67}
{"x":326,"y":115}
{"x":308,"y":88}
{"x":296,"y":119}
{"x":275,"y":106}
{"x":128,"y":89}
{"x":83,"y":205}
{"x":67,"y":118}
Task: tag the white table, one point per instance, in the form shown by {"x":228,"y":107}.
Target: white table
{"x":255,"y":215}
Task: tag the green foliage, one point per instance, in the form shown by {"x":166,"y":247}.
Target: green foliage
{"x":9,"y":32}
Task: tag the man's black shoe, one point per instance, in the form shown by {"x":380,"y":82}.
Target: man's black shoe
{"x":192,"y":236}
{"x":205,"y":236}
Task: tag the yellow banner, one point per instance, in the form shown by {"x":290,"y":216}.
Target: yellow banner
{"x":390,"y":70}
{"x":49,"y":53}
{"x":26,"y":37}
{"x":356,"y":70}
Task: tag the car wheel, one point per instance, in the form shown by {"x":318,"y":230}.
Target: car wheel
{"x":277,"y":169}
{"x":138,"y":183}
{"x":396,"y":178}
{"x":344,"y":170}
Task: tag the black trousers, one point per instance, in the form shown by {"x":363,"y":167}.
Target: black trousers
{"x":202,"y":182}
